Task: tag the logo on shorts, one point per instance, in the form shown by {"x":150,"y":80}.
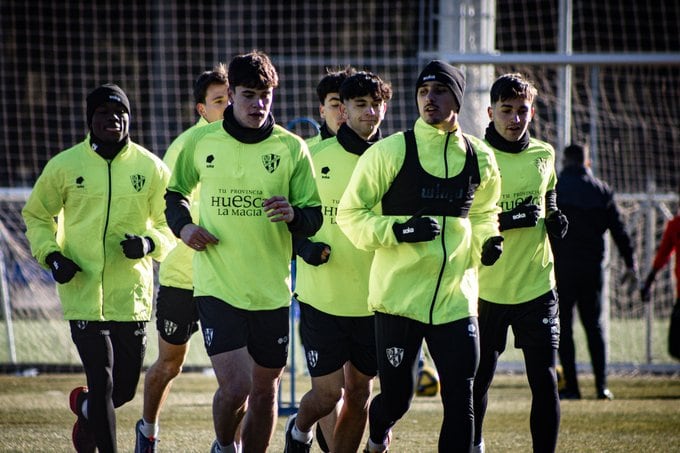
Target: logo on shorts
{"x":82,"y":325}
{"x":271,"y":162}
{"x":312,"y":358}
{"x":472,"y":331}
{"x":208,"y":336}
{"x":395,"y":355}
{"x":169,"y":327}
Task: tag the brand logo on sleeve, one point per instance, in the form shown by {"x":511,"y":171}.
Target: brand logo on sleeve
{"x":325,"y":173}
{"x":209,"y":161}
{"x":271,"y":162}
{"x":80,"y":182}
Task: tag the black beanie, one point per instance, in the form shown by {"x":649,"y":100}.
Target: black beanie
{"x":109,"y":92}
{"x":444,"y":73}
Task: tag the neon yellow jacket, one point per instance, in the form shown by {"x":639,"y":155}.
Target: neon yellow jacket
{"x":98,"y":202}
{"x":176,"y":270}
{"x":340,"y":286}
{"x":418,"y":280}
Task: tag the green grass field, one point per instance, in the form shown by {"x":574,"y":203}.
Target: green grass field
{"x":644,"y":416}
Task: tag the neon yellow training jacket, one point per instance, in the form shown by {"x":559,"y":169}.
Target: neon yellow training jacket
{"x":98,"y":202}
{"x":434,"y":282}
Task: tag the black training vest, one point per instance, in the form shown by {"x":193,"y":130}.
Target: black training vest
{"x":415,"y":191}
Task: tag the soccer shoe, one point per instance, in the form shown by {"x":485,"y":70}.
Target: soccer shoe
{"x":144,"y":444}
{"x":292,"y":445}
{"x":605,"y":394}
{"x":81,"y":436}
{"x":323,"y":445}
{"x":570,"y":394}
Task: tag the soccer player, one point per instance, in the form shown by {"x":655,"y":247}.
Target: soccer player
{"x":589,"y":205}
{"x":108,"y":194}
{"x":336,"y":326}
{"x":176,"y":314}
{"x":329,"y":104}
{"x":257,"y":189}
{"x":424,"y":201}
{"x":519,"y":289}
{"x":670,"y":242}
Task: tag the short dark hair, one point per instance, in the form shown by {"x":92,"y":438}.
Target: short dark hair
{"x":365,"y":83}
{"x":207,"y":78}
{"x":253,"y":70}
{"x":512,"y":86}
{"x":575,"y":155}
{"x":330,"y":83}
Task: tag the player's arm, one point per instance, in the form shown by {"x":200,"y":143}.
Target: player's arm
{"x":358,"y":216}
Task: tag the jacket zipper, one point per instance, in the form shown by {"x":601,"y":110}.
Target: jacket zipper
{"x":106,"y":227}
{"x":442,"y":237}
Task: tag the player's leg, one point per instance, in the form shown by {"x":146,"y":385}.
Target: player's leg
{"x":96,"y":353}
{"x":268,"y":335}
{"x":398,"y":343}
{"x":493,"y":332}
{"x":359,"y":372}
{"x":537,"y":333}
{"x":326,"y":346}
{"x":176,"y":321}
{"x":568,"y":285}
{"x":225,"y":336}
{"x":590,"y":312}
{"x":454,"y":348}
{"x":128,"y":341}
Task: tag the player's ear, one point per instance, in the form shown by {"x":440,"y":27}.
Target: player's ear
{"x":489,"y":111}
{"x":200,"y":108}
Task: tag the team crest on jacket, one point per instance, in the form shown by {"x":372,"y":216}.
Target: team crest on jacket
{"x":312,"y":358}
{"x":395,"y":355}
{"x":208,"y":336}
{"x":271,"y":162}
{"x":169,"y":327}
{"x":138,"y":181}
{"x":542,"y":165}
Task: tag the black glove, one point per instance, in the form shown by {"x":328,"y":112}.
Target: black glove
{"x":492,"y":250}
{"x":524,"y":215}
{"x":646,"y":287}
{"x":63,"y":269}
{"x":136,"y":247}
{"x":557,"y":224}
{"x":417,"y":229}
{"x":312,"y":252}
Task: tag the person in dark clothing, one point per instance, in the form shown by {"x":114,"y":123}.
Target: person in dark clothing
{"x":589,"y":205}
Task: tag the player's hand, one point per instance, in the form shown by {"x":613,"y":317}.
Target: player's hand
{"x":314,"y":253}
{"x":556,"y":224}
{"x":524,"y":215}
{"x":630,"y":280}
{"x":492,"y":250}
{"x":63,"y":269}
{"x":197,"y":237}
{"x":136,"y":247}
{"x":417,"y":229}
{"x":645,"y":289}
{"x":278,"y":209}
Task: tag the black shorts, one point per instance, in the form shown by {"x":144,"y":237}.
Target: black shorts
{"x":535,"y":324}
{"x":227,"y":328}
{"x":330,"y":341}
{"x":176,"y":314}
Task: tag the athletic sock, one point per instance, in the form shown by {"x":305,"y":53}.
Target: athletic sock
{"x":301,"y":436}
{"x":231,"y":448}
{"x":149,"y":429}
